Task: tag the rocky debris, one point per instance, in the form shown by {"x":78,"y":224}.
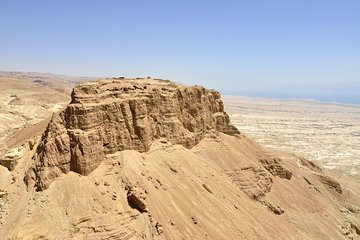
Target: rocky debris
{"x":307,"y":181}
{"x":113,"y":115}
{"x":351,"y":230}
{"x":114,"y":196}
{"x":275,"y":167}
{"x":31,"y":144}
{"x":136,"y":198}
{"x":254,"y":182}
{"x":309,"y":164}
{"x":159,"y":228}
{"x":272,"y":207}
{"x":311,"y":185}
{"x":10,"y":159}
{"x":9,"y":162}
{"x":3,"y":194}
{"x":194,"y":220}
{"x":207,"y":188}
{"x":173,"y":169}
{"x":3,"y":199}
{"x":155,"y":225}
{"x":330,"y":183}
{"x":352,"y":208}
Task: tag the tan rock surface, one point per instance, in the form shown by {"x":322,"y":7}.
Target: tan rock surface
{"x":113,"y":115}
{"x":25,"y":109}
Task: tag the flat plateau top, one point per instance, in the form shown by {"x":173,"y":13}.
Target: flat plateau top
{"x":123,"y":88}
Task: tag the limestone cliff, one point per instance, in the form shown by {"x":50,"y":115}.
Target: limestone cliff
{"x":112,"y":115}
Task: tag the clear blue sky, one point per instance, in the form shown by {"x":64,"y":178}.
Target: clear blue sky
{"x":303,"y":48}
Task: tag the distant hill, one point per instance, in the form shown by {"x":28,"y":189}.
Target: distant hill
{"x":58,"y":82}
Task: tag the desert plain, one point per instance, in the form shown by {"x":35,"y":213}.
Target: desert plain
{"x":327,"y":133}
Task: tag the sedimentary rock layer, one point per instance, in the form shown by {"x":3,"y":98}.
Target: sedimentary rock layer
{"x":113,"y":115}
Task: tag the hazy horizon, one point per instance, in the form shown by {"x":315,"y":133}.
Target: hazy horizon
{"x":345,"y":98}
{"x":327,"y":97}
{"x":305,"y":49}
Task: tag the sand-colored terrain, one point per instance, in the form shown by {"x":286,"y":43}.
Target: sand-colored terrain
{"x":324,"y":132}
{"x":27,"y":99}
{"x":149,"y":159}
{"x":203,"y":193}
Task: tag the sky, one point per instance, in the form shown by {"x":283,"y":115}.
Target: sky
{"x":299,"y":48}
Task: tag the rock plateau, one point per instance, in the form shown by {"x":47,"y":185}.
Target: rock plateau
{"x":150,"y":159}
{"x":113,"y":115}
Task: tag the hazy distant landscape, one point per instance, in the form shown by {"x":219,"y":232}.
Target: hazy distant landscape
{"x":328,"y":133}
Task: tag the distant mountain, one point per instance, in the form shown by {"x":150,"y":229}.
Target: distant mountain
{"x":55,"y":81}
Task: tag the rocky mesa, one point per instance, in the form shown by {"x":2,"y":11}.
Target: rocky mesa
{"x":151,"y":159}
{"x":118,"y":114}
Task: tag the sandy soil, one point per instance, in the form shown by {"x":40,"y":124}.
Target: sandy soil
{"x":182,"y":194}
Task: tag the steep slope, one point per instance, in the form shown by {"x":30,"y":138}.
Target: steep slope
{"x":177,"y":170}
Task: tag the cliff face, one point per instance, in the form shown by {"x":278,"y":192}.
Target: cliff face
{"x":113,"y":115}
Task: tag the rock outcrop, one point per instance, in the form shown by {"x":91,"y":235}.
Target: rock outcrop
{"x":113,"y":115}
{"x":275,"y":167}
{"x":11,"y":158}
{"x":330,"y":183}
